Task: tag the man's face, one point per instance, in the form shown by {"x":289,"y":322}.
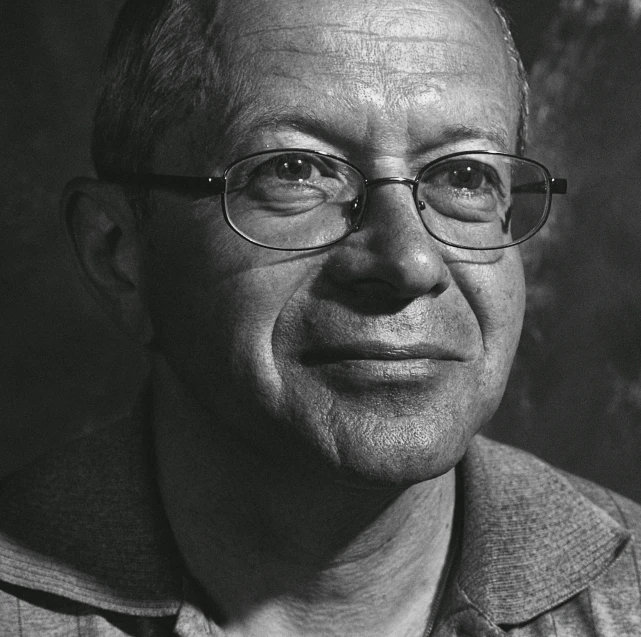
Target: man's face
{"x":383,"y":354}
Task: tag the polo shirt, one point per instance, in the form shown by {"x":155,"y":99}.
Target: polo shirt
{"x":86,"y":551}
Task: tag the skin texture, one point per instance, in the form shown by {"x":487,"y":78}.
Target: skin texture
{"x":248,"y":329}
{"x":311,"y":406}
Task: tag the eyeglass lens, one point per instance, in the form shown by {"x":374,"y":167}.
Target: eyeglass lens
{"x":303,"y":200}
{"x":292,"y":200}
{"x":483,"y":200}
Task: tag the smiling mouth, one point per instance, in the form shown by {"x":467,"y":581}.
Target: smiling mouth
{"x":369,"y":364}
{"x":380,"y":352}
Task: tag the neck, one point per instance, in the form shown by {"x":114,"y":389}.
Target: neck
{"x":287,"y":552}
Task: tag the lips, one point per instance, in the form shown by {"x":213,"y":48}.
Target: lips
{"x":372,"y":366}
{"x":380,"y":351}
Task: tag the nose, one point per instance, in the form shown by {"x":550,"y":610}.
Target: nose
{"x":391,"y":253}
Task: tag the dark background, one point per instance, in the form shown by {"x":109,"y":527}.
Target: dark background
{"x":574,"y":397}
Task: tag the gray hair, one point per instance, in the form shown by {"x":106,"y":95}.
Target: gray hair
{"x":165,"y":61}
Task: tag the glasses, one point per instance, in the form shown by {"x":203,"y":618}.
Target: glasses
{"x":298,"y":199}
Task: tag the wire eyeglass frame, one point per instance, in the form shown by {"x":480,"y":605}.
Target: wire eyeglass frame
{"x":213,"y":186}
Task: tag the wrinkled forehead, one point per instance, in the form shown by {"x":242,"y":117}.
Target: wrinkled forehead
{"x":345,"y":26}
{"x":394,"y":59}
{"x":379,"y":43}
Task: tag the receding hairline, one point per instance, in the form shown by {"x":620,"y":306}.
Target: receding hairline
{"x":255,"y":121}
{"x":142,"y":99}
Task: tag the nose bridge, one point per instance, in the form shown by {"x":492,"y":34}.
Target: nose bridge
{"x":396,"y":228}
{"x":387,"y":198}
{"x":395,"y":180}
{"x":393,"y":250}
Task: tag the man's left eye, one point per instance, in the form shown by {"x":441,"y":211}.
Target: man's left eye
{"x":468,"y":177}
{"x":471,"y":176}
{"x":293,"y":169}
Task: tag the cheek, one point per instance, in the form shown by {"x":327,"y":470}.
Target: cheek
{"x":215,"y":299}
{"x":496,"y":293}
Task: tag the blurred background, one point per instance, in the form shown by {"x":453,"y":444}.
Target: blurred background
{"x":574,"y":397}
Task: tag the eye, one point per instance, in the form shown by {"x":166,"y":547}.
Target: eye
{"x":296,"y":168}
{"x":293,"y":168}
{"x":292,"y":180}
{"x":467,"y":189}
{"x":468,"y":175}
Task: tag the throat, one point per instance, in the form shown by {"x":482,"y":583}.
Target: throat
{"x":288,"y":552}
{"x":294,"y":571}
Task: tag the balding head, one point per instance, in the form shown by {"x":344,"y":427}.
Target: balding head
{"x":379,"y":354}
{"x":173,"y":59}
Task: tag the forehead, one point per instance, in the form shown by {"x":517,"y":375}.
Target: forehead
{"x":401,"y":34}
{"x":374,"y":70}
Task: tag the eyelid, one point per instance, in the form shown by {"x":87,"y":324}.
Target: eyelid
{"x":489,"y":170}
{"x":326,"y":167}
{"x":485,"y":165}
{"x":273,"y":161}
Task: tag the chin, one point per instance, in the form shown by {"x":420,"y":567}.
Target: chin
{"x":392,"y":452}
{"x":405,"y":453}
{"x":398,"y":430}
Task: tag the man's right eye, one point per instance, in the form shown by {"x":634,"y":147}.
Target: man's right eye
{"x":290,"y":177}
{"x":292,"y":168}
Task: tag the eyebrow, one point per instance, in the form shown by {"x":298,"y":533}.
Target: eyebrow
{"x":245,"y":126}
{"x":459,"y":133}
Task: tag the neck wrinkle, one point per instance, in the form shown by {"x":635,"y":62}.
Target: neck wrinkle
{"x":295,"y":554}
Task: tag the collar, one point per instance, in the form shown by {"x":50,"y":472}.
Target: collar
{"x":531,"y":540}
{"x":87,"y":524}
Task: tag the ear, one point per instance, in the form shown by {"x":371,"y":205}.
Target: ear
{"x":100,"y":225}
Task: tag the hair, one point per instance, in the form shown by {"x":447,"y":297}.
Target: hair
{"x":521,"y":78}
{"x":166,"y":61}
{"x":161,"y":65}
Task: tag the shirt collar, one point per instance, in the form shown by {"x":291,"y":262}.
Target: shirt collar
{"x":87,"y":524}
{"x":530,"y":540}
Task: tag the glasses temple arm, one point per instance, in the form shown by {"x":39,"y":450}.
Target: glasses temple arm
{"x":557,"y":187}
{"x":206,"y":185}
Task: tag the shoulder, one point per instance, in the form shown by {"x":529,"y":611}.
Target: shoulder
{"x":519,"y":474}
{"x":626,"y":512}
{"x":30,"y":613}
{"x":518,"y":468}
{"x":611,"y":604}
{"x":614,"y":599}
{"x":590,"y":539}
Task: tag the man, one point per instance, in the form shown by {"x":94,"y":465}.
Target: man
{"x":309,"y":212}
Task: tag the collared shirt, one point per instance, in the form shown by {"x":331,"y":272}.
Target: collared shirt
{"x":85,"y":549}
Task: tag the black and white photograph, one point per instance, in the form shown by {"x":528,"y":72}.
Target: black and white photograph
{"x":320,"y":318}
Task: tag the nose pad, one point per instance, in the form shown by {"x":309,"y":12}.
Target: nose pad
{"x":395,"y":257}
{"x":507,"y":222}
{"x":358,"y":205}
{"x":356,"y":213}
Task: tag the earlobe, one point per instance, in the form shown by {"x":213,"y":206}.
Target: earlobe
{"x":101,"y":229}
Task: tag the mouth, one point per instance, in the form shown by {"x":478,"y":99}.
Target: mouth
{"x":378,"y":362}
{"x":380,"y":351}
